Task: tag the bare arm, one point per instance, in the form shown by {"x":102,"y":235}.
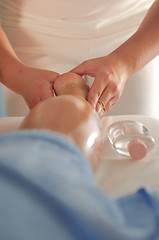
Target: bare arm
{"x":112,"y":71}
{"x":143,"y":46}
{"x":9,"y":64}
{"x":33,"y":84}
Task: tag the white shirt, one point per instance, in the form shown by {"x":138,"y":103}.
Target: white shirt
{"x":85,"y":18}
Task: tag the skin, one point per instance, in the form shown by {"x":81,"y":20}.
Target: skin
{"x":69,"y":114}
{"x":34,"y":85}
{"x":112,"y":71}
{"x":72,"y":84}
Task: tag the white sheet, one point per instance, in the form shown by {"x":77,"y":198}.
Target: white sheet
{"x":117,"y":174}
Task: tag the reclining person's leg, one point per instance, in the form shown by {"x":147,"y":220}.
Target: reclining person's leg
{"x":71,"y":116}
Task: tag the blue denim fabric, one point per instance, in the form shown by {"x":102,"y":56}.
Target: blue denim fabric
{"x":2,"y":106}
{"x":48,"y":191}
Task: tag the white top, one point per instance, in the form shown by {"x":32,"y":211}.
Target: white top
{"x":71,"y":18}
{"x":75,"y":10}
{"x":60,"y":27}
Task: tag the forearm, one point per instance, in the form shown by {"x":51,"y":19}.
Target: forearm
{"x":10,"y":65}
{"x":143,"y":46}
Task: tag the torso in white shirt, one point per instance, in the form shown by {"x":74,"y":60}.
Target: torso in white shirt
{"x":79,"y":11}
{"x":91,"y":15}
{"x":40,"y":26}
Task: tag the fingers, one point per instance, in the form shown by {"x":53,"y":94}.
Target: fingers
{"x":48,"y":93}
{"x":80,"y":69}
{"x":103,"y":95}
{"x":45,"y":89}
{"x":39,"y":94}
{"x":103,"y":107}
{"x":108,"y":98}
{"x":85,"y":68}
{"x":96,"y":91}
{"x":53,"y":76}
{"x":32,"y":102}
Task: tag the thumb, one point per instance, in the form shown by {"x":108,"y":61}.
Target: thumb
{"x":80,"y":69}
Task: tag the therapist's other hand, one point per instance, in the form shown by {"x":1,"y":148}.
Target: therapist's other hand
{"x":35,"y":85}
{"x":110,"y":75}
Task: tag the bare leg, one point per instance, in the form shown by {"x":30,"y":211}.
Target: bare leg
{"x":73,"y":117}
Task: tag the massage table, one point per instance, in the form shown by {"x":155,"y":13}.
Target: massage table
{"x":117,"y":175}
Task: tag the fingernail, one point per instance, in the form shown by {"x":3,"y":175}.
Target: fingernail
{"x":98,"y":107}
{"x":99,"y":110}
{"x":101,"y":113}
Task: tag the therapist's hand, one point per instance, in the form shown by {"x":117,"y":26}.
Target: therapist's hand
{"x":34,"y":85}
{"x":110,"y":75}
{"x":38,"y":85}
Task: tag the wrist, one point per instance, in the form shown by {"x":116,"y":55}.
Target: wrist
{"x":11,"y":75}
{"x":136,"y":52}
{"x":122,"y":66}
{"x":129,"y":54}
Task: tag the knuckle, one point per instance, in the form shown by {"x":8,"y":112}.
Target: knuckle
{"x":109,"y":76}
{"x":117,"y":97}
{"x":93,"y":98}
{"x":95,"y":92}
{"x":115,"y":88}
{"x":106,"y":77}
